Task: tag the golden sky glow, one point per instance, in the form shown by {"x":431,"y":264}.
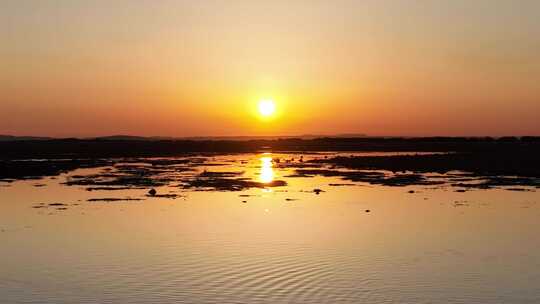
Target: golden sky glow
{"x":194,"y":68}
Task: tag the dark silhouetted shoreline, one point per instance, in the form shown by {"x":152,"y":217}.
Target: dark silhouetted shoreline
{"x":100,"y":148}
{"x":493,"y":159}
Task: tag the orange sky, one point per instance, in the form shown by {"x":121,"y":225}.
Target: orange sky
{"x":194,"y":68}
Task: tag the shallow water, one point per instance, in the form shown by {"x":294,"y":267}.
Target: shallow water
{"x":282,"y":245}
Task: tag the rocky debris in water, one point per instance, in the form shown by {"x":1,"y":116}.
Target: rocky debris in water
{"x":113,"y":199}
{"x":410,"y":191}
{"x":372,"y":177}
{"x":111,"y":188}
{"x":461,"y":203}
{"x":152,"y":192}
{"x":37,"y":169}
{"x":297,"y":175}
{"x":147,"y":173}
{"x":318,"y":191}
{"x":166,"y":195}
{"x":203,"y":182}
{"x":210,"y":174}
{"x":467,"y":180}
{"x":291,"y":199}
{"x":496,"y":167}
{"x":134,"y":174}
{"x":461,"y":190}
{"x":517,"y":161}
{"x":488,"y":182}
{"x":39,"y":185}
{"x":44,"y":205}
{"x":518,"y":189}
{"x":244,"y":201}
{"x":368,"y":211}
{"x":57,"y":204}
{"x":401,"y":180}
{"x":122,"y":180}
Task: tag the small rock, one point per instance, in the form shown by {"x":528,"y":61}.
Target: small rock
{"x":152,"y":192}
{"x":56,"y":204}
{"x":317,"y":191}
{"x":368,"y":211}
{"x":411,"y":191}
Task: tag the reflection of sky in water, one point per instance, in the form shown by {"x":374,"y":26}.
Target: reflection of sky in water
{"x":267,"y":172}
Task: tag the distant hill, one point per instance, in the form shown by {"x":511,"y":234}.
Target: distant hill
{"x":17,"y":138}
{"x":196,"y":138}
{"x":270,"y":137}
{"x":130,"y":137}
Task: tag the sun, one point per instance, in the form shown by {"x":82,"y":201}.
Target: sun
{"x":267,"y":107}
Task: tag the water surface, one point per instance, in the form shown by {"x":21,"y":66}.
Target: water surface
{"x":353,"y":243}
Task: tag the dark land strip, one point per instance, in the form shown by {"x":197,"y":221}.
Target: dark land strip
{"x":95,"y":148}
{"x":468,"y":163}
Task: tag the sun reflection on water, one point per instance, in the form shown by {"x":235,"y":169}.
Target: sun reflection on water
{"x":267,"y":171}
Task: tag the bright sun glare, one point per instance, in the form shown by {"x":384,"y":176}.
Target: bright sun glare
{"x":267,"y":107}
